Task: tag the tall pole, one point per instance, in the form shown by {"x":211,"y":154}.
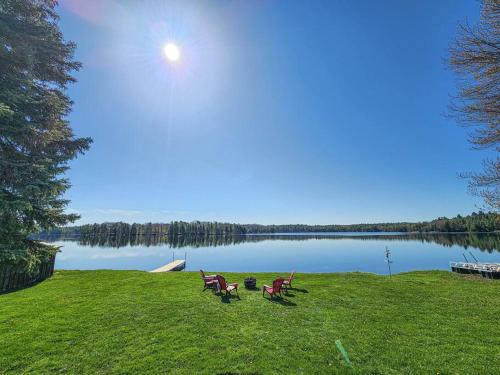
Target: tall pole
{"x":472,"y":255}
{"x":388,"y":259}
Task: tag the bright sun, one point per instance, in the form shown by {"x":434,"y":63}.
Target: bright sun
{"x":171,"y":52}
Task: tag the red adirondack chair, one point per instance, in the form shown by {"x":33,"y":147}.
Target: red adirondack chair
{"x":228,"y":288}
{"x":208,"y":281}
{"x":275,"y":289}
{"x":287,"y":283}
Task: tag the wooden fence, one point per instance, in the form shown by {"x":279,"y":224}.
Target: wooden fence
{"x":13,"y":277}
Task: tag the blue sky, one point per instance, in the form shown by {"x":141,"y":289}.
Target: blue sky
{"x":277,"y":111}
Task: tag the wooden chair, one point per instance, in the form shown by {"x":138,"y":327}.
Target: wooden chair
{"x":228,"y":288}
{"x":209,"y":280}
{"x":275,"y":289}
{"x":287,"y":283}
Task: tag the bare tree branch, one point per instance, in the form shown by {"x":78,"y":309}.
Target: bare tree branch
{"x":475,"y":57}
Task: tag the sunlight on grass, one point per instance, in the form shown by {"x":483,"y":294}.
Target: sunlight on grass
{"x":136,"y":322}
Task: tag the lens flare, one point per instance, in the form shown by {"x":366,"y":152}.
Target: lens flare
{"x":172,"y":52}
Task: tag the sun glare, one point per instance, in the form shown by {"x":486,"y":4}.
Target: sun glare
{"x":172,"y":52}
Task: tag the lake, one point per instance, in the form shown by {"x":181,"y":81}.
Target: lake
{"x":311,"y":252}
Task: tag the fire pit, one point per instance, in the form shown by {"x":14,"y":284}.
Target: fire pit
{"x":250,"y":283}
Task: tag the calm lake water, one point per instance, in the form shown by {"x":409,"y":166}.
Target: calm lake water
{"x":330,"y":252}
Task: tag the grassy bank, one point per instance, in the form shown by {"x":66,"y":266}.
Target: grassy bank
{"x":136,"y":322}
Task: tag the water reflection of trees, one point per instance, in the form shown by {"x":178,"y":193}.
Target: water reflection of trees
{"x":481,"y":241}
{"x":158,"y":240}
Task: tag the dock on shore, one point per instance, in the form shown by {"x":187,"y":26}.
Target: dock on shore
{"x":487,"y":270}
{"x":176,"y":265}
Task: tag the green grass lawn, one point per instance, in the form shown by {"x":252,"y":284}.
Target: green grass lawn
{"x":138,"y":322}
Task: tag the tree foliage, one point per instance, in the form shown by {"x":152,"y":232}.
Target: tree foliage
{"x":476,"y":222}
{"x":475,"y":57}
{"x":36,"y":141}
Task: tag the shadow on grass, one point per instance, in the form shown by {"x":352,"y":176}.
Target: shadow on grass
{"x":254,"y":289}
{"x":298,"y":290}
{"x":27,"y":286}
{"x":288,"y":292}
{"x":281,"y":300}
{"x":226,"y":298}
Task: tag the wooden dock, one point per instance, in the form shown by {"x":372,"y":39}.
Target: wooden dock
{"x":176,"y":265}
{"x":488,"y":270}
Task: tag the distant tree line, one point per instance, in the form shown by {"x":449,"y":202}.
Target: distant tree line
{"x":175,"y":228}
{"x":476,"y":222}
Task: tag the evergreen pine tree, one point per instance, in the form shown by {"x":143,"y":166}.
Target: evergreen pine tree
{"x":36,"y":141}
